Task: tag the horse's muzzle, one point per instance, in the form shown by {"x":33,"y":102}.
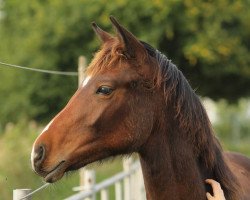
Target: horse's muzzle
{"x":37,"y":157}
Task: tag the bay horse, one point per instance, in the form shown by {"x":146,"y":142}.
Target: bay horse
{"x":134,"y":99}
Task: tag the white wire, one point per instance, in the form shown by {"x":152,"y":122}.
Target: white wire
{"x":41,"y":70}
{"x":35,"y":191}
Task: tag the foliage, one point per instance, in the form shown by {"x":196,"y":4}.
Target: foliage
{"x":209,"y":40}
{"x":232,"y":125}
{"x":233,"y":121}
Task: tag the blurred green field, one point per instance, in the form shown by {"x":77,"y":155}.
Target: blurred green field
{"x":15,"y":170}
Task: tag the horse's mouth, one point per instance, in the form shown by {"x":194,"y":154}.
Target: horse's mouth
{"x":75,"y":167}
{"x":56,"y":173}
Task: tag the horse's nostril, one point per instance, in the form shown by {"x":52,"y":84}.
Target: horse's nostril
{"x":39,"y":154}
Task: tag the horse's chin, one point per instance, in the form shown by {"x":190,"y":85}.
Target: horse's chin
{"x":75,"y":166}
{"x":56,"y":174}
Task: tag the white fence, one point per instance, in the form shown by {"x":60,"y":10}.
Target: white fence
{"x":128,"y":184}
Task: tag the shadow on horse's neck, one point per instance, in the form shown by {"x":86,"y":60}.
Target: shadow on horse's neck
{"x":181,"y":153}
{"x":170,"y":168}
{"x":171,"y":162}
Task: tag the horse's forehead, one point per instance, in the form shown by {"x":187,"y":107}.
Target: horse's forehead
{"x":116,"y":76}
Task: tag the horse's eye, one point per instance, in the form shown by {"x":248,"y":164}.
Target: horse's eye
{"x":105,"y":90}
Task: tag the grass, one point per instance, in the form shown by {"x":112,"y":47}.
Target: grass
{"x":15,"y":170}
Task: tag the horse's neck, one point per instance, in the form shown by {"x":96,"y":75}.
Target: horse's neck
{"x":169,"y":168}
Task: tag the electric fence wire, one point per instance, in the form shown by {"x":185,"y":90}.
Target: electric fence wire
{"x":40,"y":70}
{"x":35,"y":191}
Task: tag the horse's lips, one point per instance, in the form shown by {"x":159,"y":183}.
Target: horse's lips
{"x":56,"y":174}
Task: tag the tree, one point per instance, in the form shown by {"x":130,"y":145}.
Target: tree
{"x":209,"y":41}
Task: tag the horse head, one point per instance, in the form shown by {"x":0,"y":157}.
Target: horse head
{"x":112,"y":112}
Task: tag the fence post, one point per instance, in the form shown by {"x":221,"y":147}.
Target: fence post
{"x":19,"y":193}
{"x":104,"y":194}
{"x":81,"y":69}
{"x":127,"y":181}
{"x":87,"y":177}
{"x":118,"y":191}
{"x":140,"y":189}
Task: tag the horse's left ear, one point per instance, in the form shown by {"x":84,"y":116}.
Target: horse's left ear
{"x":132,"y":46}
{"x":103,"y":36}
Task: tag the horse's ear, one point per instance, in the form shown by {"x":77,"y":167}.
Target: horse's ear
{"x":103,"y":36}
{"x":132,"y":46}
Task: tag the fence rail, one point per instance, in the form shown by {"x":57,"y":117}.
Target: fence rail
{"x":128,"y":184}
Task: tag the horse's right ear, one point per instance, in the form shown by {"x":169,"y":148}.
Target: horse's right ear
{"x":103,"y":36}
